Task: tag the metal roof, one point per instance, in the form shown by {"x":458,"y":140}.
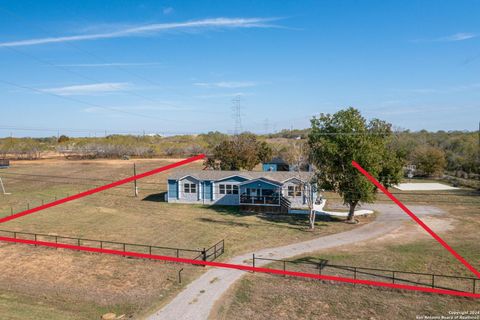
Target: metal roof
{"x":216,"y":175}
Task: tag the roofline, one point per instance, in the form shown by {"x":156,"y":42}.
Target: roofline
{"x":262,"y":179}
{"x":216,"y":180}
{"x":234,"y":175}
{"x":188,"y":175}
{"x":291,"y":178}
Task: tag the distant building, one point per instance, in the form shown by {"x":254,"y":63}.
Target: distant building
{"x":4,"y":163}
{"x":276,"y":164}
{"x":274,"y":191}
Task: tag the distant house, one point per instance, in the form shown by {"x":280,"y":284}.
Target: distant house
{"x":276,"y":164}
{"x":279,"y":164}
{"x":4,"y":163}
{"x":275,"y":191}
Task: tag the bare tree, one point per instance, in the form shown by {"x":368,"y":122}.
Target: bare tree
{"x":298,"y":158}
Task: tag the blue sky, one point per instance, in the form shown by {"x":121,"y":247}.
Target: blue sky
{"x":175,"y":66}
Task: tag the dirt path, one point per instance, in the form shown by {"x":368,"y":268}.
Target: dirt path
{"x":199,"y":297}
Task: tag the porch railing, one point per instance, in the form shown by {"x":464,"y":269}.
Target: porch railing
{"x":260,"y":200}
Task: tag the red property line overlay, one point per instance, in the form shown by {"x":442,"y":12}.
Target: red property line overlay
{"x":417,"y":220}
{"x":219,"y":264}
{"x":102,"y":188}
{"x":240,"y":267}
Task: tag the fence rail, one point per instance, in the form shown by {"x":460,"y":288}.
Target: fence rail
{"x":196,"y":254}
{"x":438,"y":281}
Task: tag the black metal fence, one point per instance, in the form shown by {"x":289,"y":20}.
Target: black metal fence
{"x":209,"y":254}
{"x":212,"y":253}
{"x":322,"y":267}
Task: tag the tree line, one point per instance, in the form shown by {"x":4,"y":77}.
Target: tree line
{"x":432,"y":153}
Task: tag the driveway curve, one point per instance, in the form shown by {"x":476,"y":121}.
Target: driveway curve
{"x":196,"y":301}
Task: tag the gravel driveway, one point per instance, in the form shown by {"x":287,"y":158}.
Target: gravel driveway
{"x":196,"y":301}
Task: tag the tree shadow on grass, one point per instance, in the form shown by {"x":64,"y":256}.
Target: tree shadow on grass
{"x":227,"y":223}
{"x":297,"y":219}
{"x":156,"y":197}
{"x":291,"y":221}
{"x":310,"y":260}
{"x":231,"y":210}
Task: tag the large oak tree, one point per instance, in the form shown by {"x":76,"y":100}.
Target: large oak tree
{"x":335,"y":140}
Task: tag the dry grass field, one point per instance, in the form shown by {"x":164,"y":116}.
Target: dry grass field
{"x":409,"y":249}
{"x":73,"y":285}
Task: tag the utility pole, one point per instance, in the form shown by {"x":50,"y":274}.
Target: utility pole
{"x":135,"y":181}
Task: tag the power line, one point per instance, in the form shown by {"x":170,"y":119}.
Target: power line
{"x":75,"y":100}
{"x":89,"y":78}
{"x":90,"y":131}
{"x":95,"y":56}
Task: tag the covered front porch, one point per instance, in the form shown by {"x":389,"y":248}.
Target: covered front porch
{"x":260,"y":192}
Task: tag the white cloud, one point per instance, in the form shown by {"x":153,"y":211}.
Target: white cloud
{"x":224,"y":95}
{"x":450,"y":89}
{"x":459,"y":37}
{"x":168,"y":10}
{"x":150,"y":29}
{"x":87,"y":89}
{"x":113,"y":64}
{"x":226,"y":84}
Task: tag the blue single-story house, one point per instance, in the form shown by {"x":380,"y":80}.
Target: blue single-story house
{"x":280,"y":190}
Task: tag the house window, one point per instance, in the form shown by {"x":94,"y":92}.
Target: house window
{"x":294,"y":191}
{"x":228,"y":189}
{"x":189,"y":188}
{"x":291,"y":191}
{"x":298,"y":191}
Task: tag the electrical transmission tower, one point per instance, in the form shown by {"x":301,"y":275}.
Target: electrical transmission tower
{"x":237,"y":115}
{"x":266,"y":125}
